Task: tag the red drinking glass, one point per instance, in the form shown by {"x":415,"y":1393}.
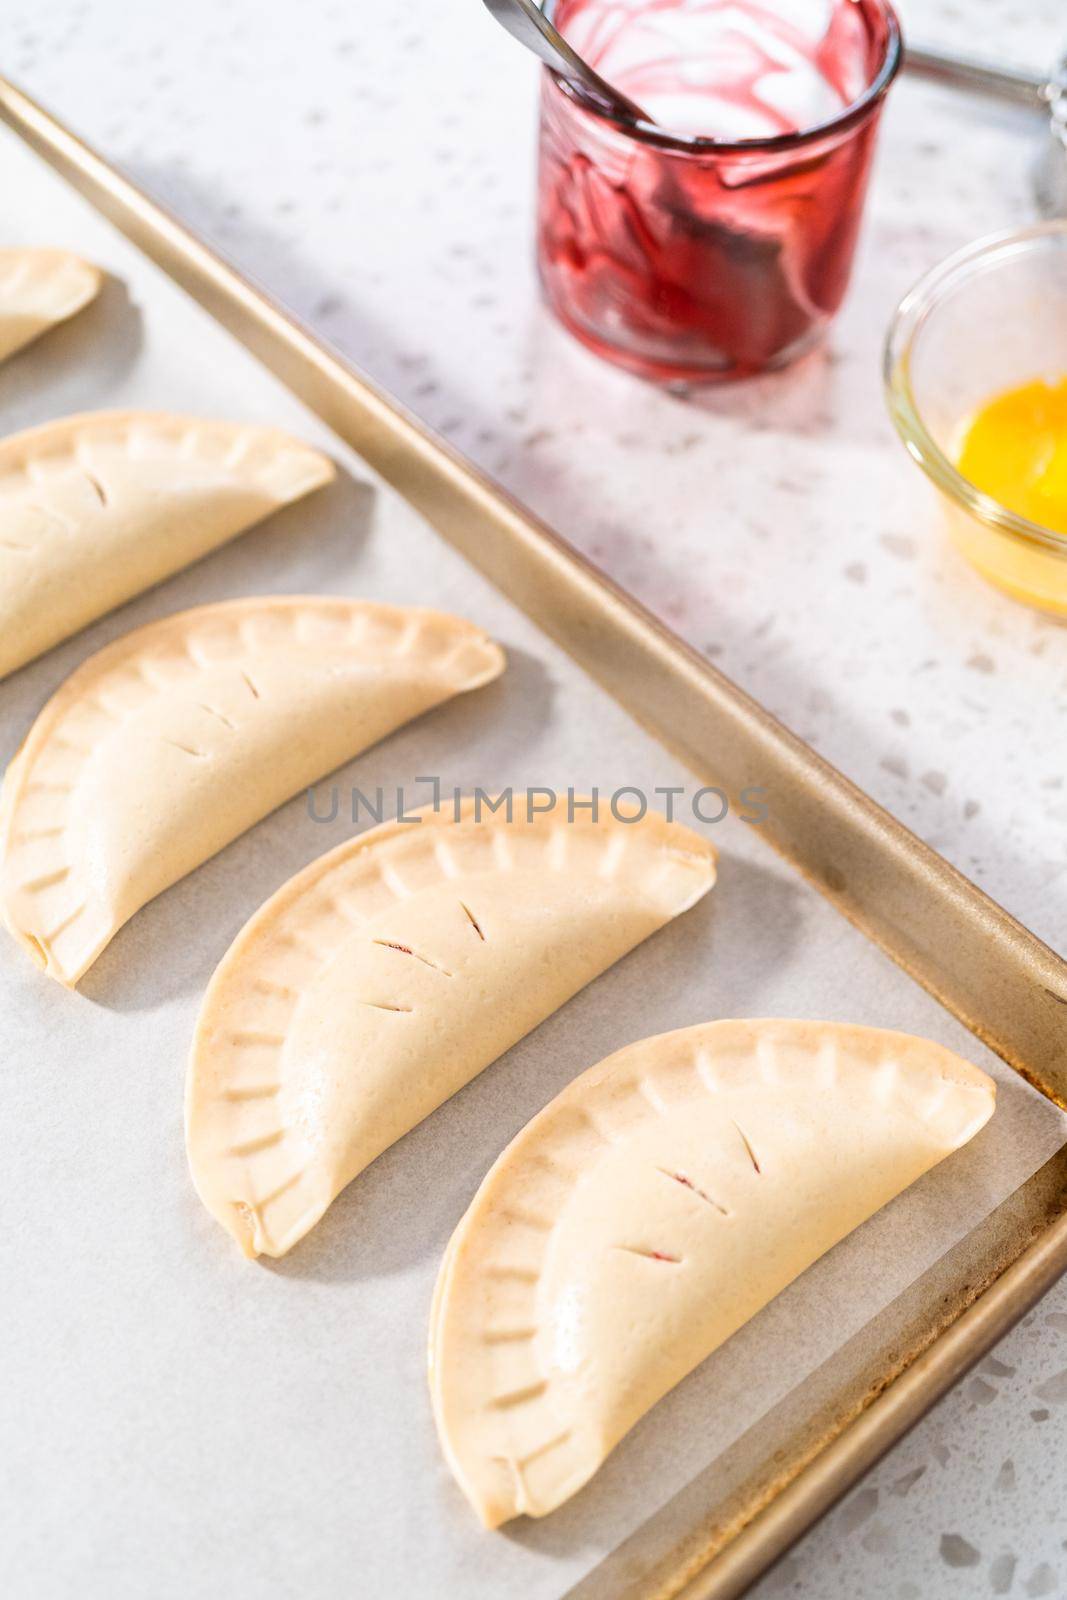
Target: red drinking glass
{"x":692,"y":259}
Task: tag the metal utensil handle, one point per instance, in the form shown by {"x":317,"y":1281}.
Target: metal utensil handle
{"x":526,"y":22}
{"x":1005,"y":83}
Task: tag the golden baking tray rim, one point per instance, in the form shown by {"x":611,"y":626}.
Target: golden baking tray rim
{"x":989,"y":971}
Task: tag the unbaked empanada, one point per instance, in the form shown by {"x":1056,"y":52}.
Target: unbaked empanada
{"x":95,"y":508}
{"x":389,"y":973}
{"x":653,"y":1207}
{"x":38,"y":289}
{"x":166,"y":745}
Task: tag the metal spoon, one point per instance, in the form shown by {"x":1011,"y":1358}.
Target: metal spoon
{"x":1020,"y":88}
{"x":526,"y":22}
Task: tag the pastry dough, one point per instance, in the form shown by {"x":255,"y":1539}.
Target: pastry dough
{"x":38,"y":289}
{"x":389,"y":973}
{"x":169,"y":743}
{"x":659,"y":1202}
{"x":97,"y":507}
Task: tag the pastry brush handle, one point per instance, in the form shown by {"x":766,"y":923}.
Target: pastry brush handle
{"x":980,"y":77}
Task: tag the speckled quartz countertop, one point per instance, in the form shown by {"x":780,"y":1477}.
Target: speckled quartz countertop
{"x":372,"y":164}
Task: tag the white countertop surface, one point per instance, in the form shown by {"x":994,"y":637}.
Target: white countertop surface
{"x":375,"y":171}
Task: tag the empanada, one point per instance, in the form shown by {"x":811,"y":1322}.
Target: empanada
{"x":166,"y":745}
{"x":96,"y":508}
{"x":653,"y":1207}
{"x":387,"y":974}
{"x":38,"y":289}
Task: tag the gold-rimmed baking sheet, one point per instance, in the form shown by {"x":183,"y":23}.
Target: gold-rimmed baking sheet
{"x":289,"y":1402}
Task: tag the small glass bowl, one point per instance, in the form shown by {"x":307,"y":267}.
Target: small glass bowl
{"x":991,"y":317}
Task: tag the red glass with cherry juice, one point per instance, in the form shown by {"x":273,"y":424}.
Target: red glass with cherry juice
{"x":690,"y":258}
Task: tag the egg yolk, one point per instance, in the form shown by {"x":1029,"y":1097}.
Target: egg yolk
{"x":1014,"y":448}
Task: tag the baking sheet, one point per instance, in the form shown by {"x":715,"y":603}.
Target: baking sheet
{"x":178,"y":1421}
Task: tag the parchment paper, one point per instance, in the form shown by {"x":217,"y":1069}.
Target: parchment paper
{"x":178,"y":1422}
